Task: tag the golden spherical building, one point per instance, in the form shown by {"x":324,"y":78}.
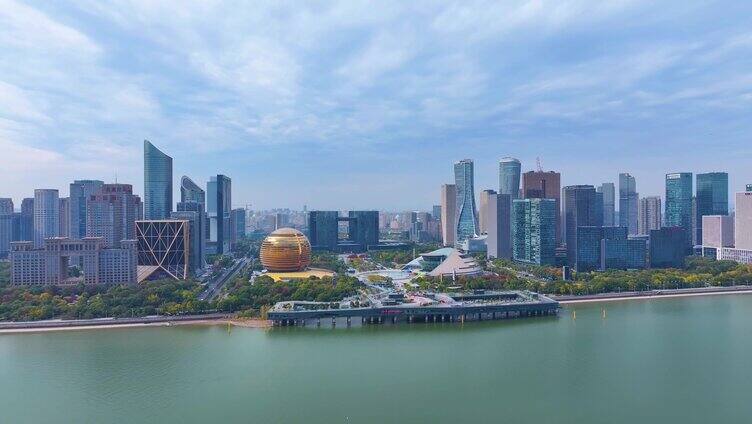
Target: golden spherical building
{"x":286,"y":250}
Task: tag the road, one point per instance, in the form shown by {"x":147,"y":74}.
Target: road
{"x":214,"y":286}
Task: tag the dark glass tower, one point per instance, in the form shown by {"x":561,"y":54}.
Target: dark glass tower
{"x":157,"y":183}
{"x":467,"y":222}
{"x":679,"y":203}
{"x":581,"y":209}
{"x":712,"y":197}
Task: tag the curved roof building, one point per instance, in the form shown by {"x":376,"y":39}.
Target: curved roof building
{"x":509,"y":177}
{"x":190,"y":191}
{"x":157,"y":183}
{"x":286,"y":250}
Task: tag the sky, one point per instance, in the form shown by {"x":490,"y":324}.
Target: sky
{"x":366,"y":105}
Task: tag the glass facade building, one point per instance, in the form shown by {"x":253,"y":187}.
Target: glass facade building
{"x":628,"y":203}
{"x":534,"y":231}
{"x":467,"y":221}
{"x":679,"y":204}
{"x":323,"y":229}
{"x":668,"y":247}
{"x":80,"y":192}
{"x":194,"y":213}
{"x":580,"y":210}
{"x":712,"y":198}
{"x":363,"y":228}
{"x":509,"y":177}
{"x":609,"y":203}
{"x":219,"y":208}
{"x":46,"y":215}
{"x":191,"y":192}
{"x":157,"y":183}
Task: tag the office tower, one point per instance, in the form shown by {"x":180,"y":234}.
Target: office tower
{"x":482,"y":211}
{"x":363,"y":228}
{"x":64,"y":220}
{"x":544,"y":185}
{"x":80,"y":192}
{"x":509,"y":177}
{"x":743,"y":221}
{"x":163,"y":248}
{"x":238,"y":224}
{"x":499,"y":221}
{"x":6,"y":206}
{"x":668,"y":247}
{"x":112,"y":212}
{"x":190,"y":191}
{"x":436,"y":212}
{"x":193,"y":213}
{"x":219,"y":201}
{"x":580,"y":210}
{"x":48,"y":264}
{"x":712,"y":198}
{"x":609,"y":203}
{"x":27,"y":220}
{"x":598,"y":208}
{"x":323,"y":229}
{"x":448,"y":214}
{"x":717,"y":231}
{"x":679,"y":203}
{"x":628,"y":203}
{"x":157,"y":183}
{"x":46,"y":215}
{"x":467,"y":224}
{"x":623,"y":253}
{"x":650,"y":214}
{"x":602,"y":248}
{"x":534,"y":231}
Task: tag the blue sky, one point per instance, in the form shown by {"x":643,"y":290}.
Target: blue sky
{"x":367,"y":105}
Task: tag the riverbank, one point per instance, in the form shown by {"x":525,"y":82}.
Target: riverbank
{"x":117,"y":323}
{"x":653,"y":294}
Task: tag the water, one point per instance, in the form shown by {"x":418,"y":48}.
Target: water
{"x":669,"y":360}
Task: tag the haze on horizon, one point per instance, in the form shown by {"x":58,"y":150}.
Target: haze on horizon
{"x":357,"y":105}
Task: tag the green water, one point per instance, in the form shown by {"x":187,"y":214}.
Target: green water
{"x":669,"y":361}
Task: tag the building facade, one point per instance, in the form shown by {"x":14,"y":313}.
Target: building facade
{"x":743,"y":221}
{"x":544,"y":185}
{"x":27,"y":219}
{"x":628,"y":203}
{"x":46,"y":215}
{"x":668,"y":247}
{"x":157,"y":183}
{"x":237,"y":220}
{"x":112,"y":212}
{"x":717,"y":231}
{"x":323,"y":229}
{"x":363,"y":228}
{"x":80,"y":192}
{"x":190,"y":191}
{"x":509,"y":177}
{"x":499,"y":213}
{"x":650,"y":215}
{"x":467,"y":218}
{"x":10,"y":231}
{"x":534,"y":231}
{"x":196,"y":241}
{"x":483,"y":210}
{"x":448,"y":214}
{"x":580,"y":210}
{"x":49,"y":264}
{"x":163,"y":249}
{"x":679,"y":203}
{"x":711,"y":198}
{"x":609,"y":203}
{"x":219,"y":207}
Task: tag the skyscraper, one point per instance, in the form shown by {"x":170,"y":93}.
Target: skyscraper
{"x":27,"y":220}
{"x":164,"y":248}
{"x":499,"y":215}
{"x":323,"y":229}
{"x":80,"y":192}
{"x":6,"y":206}
{"x":679,"y":203}
{"x":534,"y":230}
{"x":363,"y":228}
{"x":157,"y":183}
{"x":112,"y":213}
{"x":195,"y":213}
{"x":10,"y":222}
{"x":580,"y":210}
{"x":509,"y":177}
{"x":46,"y":215}
{"x":609,"y":203}
{"x":628,"y":203}
{"x":64,"y":220}
{"x":190,"y":191}
{"x":467,"y":223}
{"x":650,"y":214}
{"x":712,"y":198}
{"x":448,"y":214}
{"x":483,"y":210}
{"x":544,"y":185}
{"x":237,"y":219}
{"x":219,"y":193}
{"x":743,"y":221}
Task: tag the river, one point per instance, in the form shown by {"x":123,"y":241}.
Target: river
{"x":684,"y":360}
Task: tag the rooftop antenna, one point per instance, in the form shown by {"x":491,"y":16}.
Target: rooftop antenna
{"x":538,"y":164}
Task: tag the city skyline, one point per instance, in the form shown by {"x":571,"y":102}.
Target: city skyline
{"x":407,"y":93}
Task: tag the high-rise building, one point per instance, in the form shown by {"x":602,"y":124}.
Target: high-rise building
{"x":219,"y":205}
{"x":499,"y":217}
{"x":27,"y":220}
{"x":448,"y":214}
{"x":509,"y":177}
{"x":195,"y":214}
{"x":602,"y":248}
{"x":743,"y":221}
{"x":163,"y":249}
{"x":46,"y":215}
{"x":483,"y":210}
{"x":650,"y":214}
{"x":10,"y":231}
{"x":534,"y":231}
{"x":64,"y":230}
{"x":238,"y":224}
{"x":80,"y":192}
{"x":717,"y":231}
{"x":6,"y":206}
{"x":598,"y":208}
{"x":609,"y":203}
{"x":628,"y":203}
{"x":112,"y":212}
{"x":467,"y":223}
{"x":668,"y":247}
{"x":544,"y":185}
{"x":157,"y":183}
{"x":712,"y":198}
{"x":190,"y":191}
{"x":363,"y":228}
{"x":580,"y":210}
{"x":679,"y":203}
{"x":323,"y":229}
